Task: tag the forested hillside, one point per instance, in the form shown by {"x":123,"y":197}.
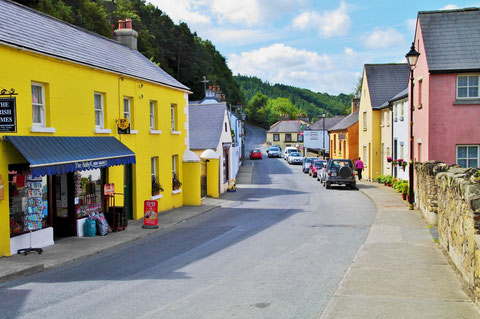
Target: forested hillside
{"x":172,"y":46}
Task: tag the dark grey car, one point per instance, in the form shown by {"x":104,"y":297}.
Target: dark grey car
{"x":339,"y":171}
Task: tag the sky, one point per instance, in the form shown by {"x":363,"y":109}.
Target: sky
{"x":320,"y":45}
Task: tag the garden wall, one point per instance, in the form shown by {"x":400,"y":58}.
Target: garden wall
{"x":453,"y":194}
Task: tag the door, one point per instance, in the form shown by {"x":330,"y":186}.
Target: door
{"x":203,"y":179}
{"x":127,"y":191}
{"x":64,"y":221}
{"x":395,"y":156}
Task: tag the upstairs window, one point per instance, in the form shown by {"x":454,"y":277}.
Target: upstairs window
{"x":299,"y":137}
{"x":467,"y":86}
{"x":127,"y":109}
{"x":153,"y":122}
{"x":365,"y":121}
{"x":276,"y":137}
{"x":173,"y":117}
{"x":98,"y":101}
{"x":288,"y":137}
{"x":38,"y":104}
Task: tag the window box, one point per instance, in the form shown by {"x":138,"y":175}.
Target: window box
{"x":102,"y":131}
{"x":41,"y":129}
{"x":157,"y":132}
{"x":176,"y":191}
{"x":176,"y":132}
{"x":155,"y":197}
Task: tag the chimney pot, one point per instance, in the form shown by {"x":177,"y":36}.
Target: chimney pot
{"x":121,"y":24}
{"x":128,"y":23}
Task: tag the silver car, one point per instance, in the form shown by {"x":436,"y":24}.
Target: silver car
{"x":274,"y":151}
{"x":295,"y":158}
{"x":339,"y":171}
{"x":306,"y":163}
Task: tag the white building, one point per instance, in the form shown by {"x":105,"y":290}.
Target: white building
{"x":401,"y":145}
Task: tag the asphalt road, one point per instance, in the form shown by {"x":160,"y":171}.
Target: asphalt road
{"x":279,"y":250}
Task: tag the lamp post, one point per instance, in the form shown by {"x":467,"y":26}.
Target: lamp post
{"x":412,"y":58}
{"x":324,"y":115}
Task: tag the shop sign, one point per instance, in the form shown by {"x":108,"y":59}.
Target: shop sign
{"x":90,"y":164}
{"x":123,"y":126}
{"x":150,"y":219}
{"x":8,"y":117}
{"x":109,"y":189}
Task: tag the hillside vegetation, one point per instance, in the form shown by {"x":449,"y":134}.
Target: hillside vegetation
{"x":270,"y":102}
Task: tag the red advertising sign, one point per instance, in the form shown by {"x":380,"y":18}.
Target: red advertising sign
{"x":108,"y":189}
{"x":150,"y":219}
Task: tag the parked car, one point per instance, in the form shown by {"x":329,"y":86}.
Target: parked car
{"x":256,"y":153}
{"x":306,"y":163}
{"x":315,"y":166}
{"x":274,"y":151}
{"x":339,"y":171}
{"x":287,"y":151}
{"x":295,"y":158}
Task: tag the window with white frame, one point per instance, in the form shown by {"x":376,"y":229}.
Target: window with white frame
{"x":467,"y":86}
{"x":38,"y":104}
{"x":276,"y":137}
{"x":153,"y":122}
{"x":173,"y":115}
{"x":127,"y":111}
{"x":99,"y":118}
{"x":365,"y":155}
{"x":402,"y":108}
{"x":154,"y":176}
{"x":467,"y":155}
{"x":387,"y":117}
{"x":402,"y":152}
{"x":300,"y":137}
{"x":365,"y":120}
{"x":382,"y":118}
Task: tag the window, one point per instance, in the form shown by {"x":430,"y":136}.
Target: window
{"x":173,"y":116}
{"x":467,"y":86}
{"x":99,"y":118}
{"x":288,"y":137}
{"x":127,"y":109}
{"x":402,"y":109}
{"x":174,"y":165}
{"x":402,"y":152}
{"x":276,"y":137}
{"x":420,"y":86}
{"x":334,"y":143}
{"x":299,"y":137}
{"x":365,"y":121}
{"x":38,"y":104}
{"x":382,"y":119}
{"x":153,"y":122}
{"x":226,"y":128}
{"x":365,"y":155}
{"x":387,"y":117}
{"x":175,"y":178}
{"x":154,"y":176}
{"x":467,"y":155}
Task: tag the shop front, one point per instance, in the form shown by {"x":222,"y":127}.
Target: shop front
{"x":61,"y":182}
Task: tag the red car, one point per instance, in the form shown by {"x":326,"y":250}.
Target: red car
{"x":256,"y":154}
{"x":315,"y":166}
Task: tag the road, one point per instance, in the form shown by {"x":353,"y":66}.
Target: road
{"x":278,"y":249}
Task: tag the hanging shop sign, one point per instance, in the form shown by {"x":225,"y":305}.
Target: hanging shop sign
{"x":150,"y":219}
{"x":123,"y":126}
{"x":109,"y":189}
{"x":90,"y":165}
{"x":8,"y":116}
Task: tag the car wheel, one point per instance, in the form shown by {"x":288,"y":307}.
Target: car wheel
{"x":327,"y":185}
{"x":353,"y":186}
{"x":318,"y":179}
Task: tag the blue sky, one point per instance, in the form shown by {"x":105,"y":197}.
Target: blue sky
{"x":320,"y":45}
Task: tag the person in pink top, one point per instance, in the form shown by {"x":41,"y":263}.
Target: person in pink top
{"x":359,"y":168}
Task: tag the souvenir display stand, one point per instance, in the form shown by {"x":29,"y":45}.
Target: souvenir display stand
{"x":115,"y":215}
{"x":34,"y":211}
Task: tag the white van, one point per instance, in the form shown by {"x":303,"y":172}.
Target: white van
{"x":287,"y":151}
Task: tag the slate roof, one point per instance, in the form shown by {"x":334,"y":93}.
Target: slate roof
{"x":287,"y":126}
{"x":346,"y":122}
{"x":26,"y":28}
{"x":206,"y":125}
{"x":329,"y":122}
{"x":451,"y":39}
{"x":385,"y":81}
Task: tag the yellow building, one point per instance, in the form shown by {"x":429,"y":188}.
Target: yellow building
{"x":71,"y":90}
{"x":286,"y":133}
{"x":344,"y":138}
{"x":386,"y":128}
{"x":380,"y":83}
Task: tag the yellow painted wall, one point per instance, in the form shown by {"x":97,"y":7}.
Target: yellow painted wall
{"x":369,"y":135}
{"x":191,"y":188}
{"x":70,"y":110}
{"x":213,"y":178}
{"x":386,"y":140}
{"x":282,"y":142}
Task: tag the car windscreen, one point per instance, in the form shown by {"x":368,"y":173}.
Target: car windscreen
{"x":309,"y":159}
{"x":340,"y":164}
{"x":291,"y":150}
{"x":318,"y":164}
{"x":256,"y":151}
{"x":274,"y":149}
{"x":295,"y":154}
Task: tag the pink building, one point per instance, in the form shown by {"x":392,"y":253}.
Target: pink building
{"x":446,"y":90}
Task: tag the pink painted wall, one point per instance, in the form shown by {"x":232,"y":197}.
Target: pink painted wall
{"x":450,"y":124}
{"x":421,"y":118}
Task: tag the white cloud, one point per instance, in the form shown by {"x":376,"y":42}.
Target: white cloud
{"x":450,"y":7}
{"x":411,"y":25}
{"x":279,"y":63}
{"x":240,"y":37}
{"x":328,"y":24}
{"x":384,"y":38}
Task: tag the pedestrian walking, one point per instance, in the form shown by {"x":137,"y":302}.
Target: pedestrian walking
{"x":359,"y":168}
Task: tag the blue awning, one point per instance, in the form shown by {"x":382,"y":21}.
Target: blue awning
{"x":49,"y":155}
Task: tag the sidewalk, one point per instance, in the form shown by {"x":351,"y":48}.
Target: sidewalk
{"x":399,"y":272}
{"x":71,"y":249}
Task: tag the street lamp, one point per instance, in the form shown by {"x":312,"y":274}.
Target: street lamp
{"x":412,"y":58}
{"x":324,"y":115}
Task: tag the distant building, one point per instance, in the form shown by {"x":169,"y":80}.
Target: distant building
{"x":316,"y":135}
{"x":344,"y":136}
{"x":287,"y":133}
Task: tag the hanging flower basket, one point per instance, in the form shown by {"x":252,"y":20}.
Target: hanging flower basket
{"x":389,"y":159}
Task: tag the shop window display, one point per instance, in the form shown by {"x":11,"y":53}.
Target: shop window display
{"x":27,"y":200}
{"x":88,"y":192}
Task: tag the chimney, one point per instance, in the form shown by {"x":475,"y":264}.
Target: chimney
{"x":355,"y":104}
{"x":125,"y":34}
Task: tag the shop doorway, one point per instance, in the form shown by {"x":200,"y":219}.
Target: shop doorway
{"x":127,"y":191}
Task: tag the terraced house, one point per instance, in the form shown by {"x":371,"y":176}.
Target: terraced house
{"x":89,"y":116}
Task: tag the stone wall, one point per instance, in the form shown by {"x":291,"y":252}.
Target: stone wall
{"x":454,"y":194}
